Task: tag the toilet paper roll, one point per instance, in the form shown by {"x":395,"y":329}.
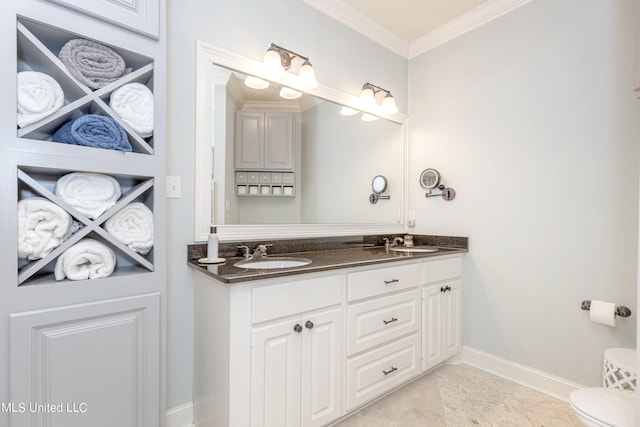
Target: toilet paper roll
{"x":603,"y":313}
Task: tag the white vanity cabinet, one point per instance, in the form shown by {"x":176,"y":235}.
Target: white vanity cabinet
{"x":280,"y":359}
{"x":264,"y":141}
{"x":296,"y":362}
{"x":383,"y":341}
{"x":305,"y":350}
{"x":441,"y":311}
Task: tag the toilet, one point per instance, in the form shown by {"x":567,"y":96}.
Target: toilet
{"x":614,"y":404}
{"x":599,"y":406}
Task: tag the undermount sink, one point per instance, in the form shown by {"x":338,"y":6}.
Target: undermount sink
{"x":273,"y":263}
{"x":414,"y":249}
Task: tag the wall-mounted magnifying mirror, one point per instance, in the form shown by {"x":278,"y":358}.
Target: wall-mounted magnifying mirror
{"x":379,"y":186}
{"x":430,"y":179}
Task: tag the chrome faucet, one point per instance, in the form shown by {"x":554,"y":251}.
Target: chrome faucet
{"x":390,"y":244}
{"x":260,"y":251}
{"x":396,"y":241}
{"x":245,"y":251}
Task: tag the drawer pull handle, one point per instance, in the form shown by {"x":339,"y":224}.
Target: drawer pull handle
{"x":297,"y":328}
{"x":388,"y":282}
{"x":393,"y":319}
{"x":309,"y":324}
{"x":393,"y":369}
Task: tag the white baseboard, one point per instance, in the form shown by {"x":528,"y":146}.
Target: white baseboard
{"x":180,"y":416}
{"x":520,"y":374}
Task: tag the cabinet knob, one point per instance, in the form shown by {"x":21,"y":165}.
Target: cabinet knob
{"x":393,"y":319}
{"x":393,"y":369}
{"x":443,"y":289}
{"x":297,"y":328}
{"x":308,"y":324}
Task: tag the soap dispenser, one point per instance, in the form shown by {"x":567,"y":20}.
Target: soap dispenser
{"x":212,"y":245}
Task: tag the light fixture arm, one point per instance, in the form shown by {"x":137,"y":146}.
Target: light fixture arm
{"x":375,"y":88}
{"x":287,"y":55}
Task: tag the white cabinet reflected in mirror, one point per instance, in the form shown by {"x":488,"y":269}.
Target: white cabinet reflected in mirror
{"x":306,"y":173}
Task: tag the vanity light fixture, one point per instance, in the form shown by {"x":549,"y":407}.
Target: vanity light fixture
{"x":278,"y":61}
{"x":368,"y":99}
{"x":288,"y":93}
{"x":256,"y":83}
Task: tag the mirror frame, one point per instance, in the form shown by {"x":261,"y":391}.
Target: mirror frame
{"x":207,"y":56}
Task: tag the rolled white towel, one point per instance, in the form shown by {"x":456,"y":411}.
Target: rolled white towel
{"x":133,"y":102}
{"x":39,"y":96}
{"x":133,"y":226}
{"x":87,"y":259}
{"x":42,"y":227}
{"x":90,"y":193}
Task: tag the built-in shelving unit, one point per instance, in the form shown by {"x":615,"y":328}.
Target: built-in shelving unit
{"x":38,"y":45}
{"x":34,"y":182}
{"x":88,"y":335}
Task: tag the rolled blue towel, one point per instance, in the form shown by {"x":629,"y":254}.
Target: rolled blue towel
{"x":93,"y":130}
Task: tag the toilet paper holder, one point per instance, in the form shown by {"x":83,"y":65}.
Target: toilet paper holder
{"x":621,"y":310}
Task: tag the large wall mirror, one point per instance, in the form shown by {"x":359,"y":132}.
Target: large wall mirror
{"x":323,"y":190}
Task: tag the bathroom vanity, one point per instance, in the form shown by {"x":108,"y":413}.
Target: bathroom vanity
{"x":306,"y":346}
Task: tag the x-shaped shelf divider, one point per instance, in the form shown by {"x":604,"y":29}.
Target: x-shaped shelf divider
{"x":89,"y":95}
{"x":89,"y":225}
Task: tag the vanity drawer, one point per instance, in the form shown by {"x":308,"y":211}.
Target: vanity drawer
{"x":380,"y":320}
{"x":379,"y":281}
{"x":376,"y":372}
{"x":442,"y":269}
{"x":286,"y":299}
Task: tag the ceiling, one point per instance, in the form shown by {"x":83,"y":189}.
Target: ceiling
{"x":412,"y":27}
{"x":411,"y":19}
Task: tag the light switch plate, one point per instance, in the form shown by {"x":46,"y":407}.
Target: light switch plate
{"x":174,"y":187}
{"x":411,"y":218}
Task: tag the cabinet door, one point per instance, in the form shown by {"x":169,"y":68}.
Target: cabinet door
{"x":95,"y":364}
{"x":249,"y":146}
{"x":322,"y":368}
{"x":278,"y":141}
{"x":452,"y":333}
{"x":432,"y":352}
{"x":275,"y":375}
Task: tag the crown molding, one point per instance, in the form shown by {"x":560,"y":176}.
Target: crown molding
{"x":360,"y":23}
{"x":463,"y":24}
{"x":353,"y":19}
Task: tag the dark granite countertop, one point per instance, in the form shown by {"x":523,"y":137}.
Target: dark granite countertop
{"x":325,"y":254}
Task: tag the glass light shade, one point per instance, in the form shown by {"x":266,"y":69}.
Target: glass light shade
{"x":368,"y":117}
{"x":368,"y":97}
{"x":389,"y":105}
{"x":288,"y":93}
{"x":256,"y":83}
{"x":348,"y":111}
{"x":307,"y":76}
{"x":273,"y":63}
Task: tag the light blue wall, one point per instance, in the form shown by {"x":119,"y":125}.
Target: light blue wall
{"x":342,"y":59}
{"x":532,"y":119}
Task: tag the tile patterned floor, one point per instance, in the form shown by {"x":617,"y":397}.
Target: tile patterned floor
{"x":460,"y":396}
